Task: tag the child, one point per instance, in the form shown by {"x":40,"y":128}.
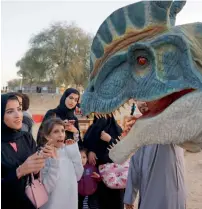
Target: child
{"x":63,"y":169}
{"x":87,"y":186}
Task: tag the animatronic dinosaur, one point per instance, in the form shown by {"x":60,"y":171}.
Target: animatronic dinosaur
{"x":138,"y":53}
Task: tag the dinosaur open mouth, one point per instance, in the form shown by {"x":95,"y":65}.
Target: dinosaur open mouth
{"x":157,"y":106}
{"x":153,"y":107}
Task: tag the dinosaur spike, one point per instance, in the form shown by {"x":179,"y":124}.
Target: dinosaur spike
{"x":117,"y":141}
{"x":125,"y":105}
{"x":128,"y":102}
{"x":176,"y":7}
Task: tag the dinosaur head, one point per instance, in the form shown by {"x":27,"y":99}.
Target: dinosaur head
{"x":139,"y":54}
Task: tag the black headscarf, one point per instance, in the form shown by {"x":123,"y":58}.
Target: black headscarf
{"x":24,"y":141}
{"x":11,"y":186}
{"x":92,"y":139}
{"x":7,"y":134}
{"x":62,"y":110}
{"x":63,"y":113}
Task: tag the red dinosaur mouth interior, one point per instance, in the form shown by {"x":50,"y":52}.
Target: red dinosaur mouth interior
{"x":157,"y":106}
{"x":152,"y":108}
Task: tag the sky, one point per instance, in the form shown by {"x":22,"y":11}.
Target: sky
{"x":20,"y":20}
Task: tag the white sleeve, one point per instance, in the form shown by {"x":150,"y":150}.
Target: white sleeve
{"x":75,"y":156}
{"x":50,"y":174}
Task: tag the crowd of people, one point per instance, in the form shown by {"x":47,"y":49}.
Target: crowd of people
{"x":67,"y":166}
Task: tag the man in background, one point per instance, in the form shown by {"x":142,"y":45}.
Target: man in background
{"x":157,"y":173}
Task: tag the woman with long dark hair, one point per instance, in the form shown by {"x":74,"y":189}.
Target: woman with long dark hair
{"x":18,"y":156}
{"x":102,"y":133}
{"x":24,"y":101}
{"x":65,"y":111}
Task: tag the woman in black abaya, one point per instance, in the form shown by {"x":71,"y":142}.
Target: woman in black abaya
{"x":18,"y":157}
{"x":65,"y":111}
{"x":97,"y":139}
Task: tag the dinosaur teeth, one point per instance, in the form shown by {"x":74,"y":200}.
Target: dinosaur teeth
{"x":128,"y":103}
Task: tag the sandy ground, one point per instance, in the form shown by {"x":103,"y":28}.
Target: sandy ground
{"x":39,"y":105}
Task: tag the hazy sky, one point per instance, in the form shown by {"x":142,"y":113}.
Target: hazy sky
{"x":20,"y":20}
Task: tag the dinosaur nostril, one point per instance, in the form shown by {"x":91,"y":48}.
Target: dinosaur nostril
{"x":92,"y":89}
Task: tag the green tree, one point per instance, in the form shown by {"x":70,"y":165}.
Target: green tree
{"x":58,"y":54}
{"x":63,"y":45}
{"x":32,"y":66}
{"x":12,"y":84}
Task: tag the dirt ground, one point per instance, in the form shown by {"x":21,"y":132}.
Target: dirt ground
{"x":39,"y":105}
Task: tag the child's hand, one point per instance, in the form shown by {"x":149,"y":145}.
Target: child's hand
{"x":105,"y":136}
{"x":92,"y":158}
{"x":49,"y":151}
{"x":71,"y":128}
{"x":69,"y":142}
{"x":130,"y":121}
{"x":95,"y":175}
{"x":129,"y":206}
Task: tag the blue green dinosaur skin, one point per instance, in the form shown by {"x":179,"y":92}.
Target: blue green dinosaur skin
{"x":174,"y":57}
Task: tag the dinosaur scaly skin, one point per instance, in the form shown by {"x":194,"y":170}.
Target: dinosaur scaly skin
{"x":139,"y":53}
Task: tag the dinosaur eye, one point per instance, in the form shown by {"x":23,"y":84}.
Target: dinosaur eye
{"x":142,"y":61}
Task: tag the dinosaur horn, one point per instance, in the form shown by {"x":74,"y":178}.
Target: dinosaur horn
{"x":175,"y":9}
{"x":162,"y":4}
